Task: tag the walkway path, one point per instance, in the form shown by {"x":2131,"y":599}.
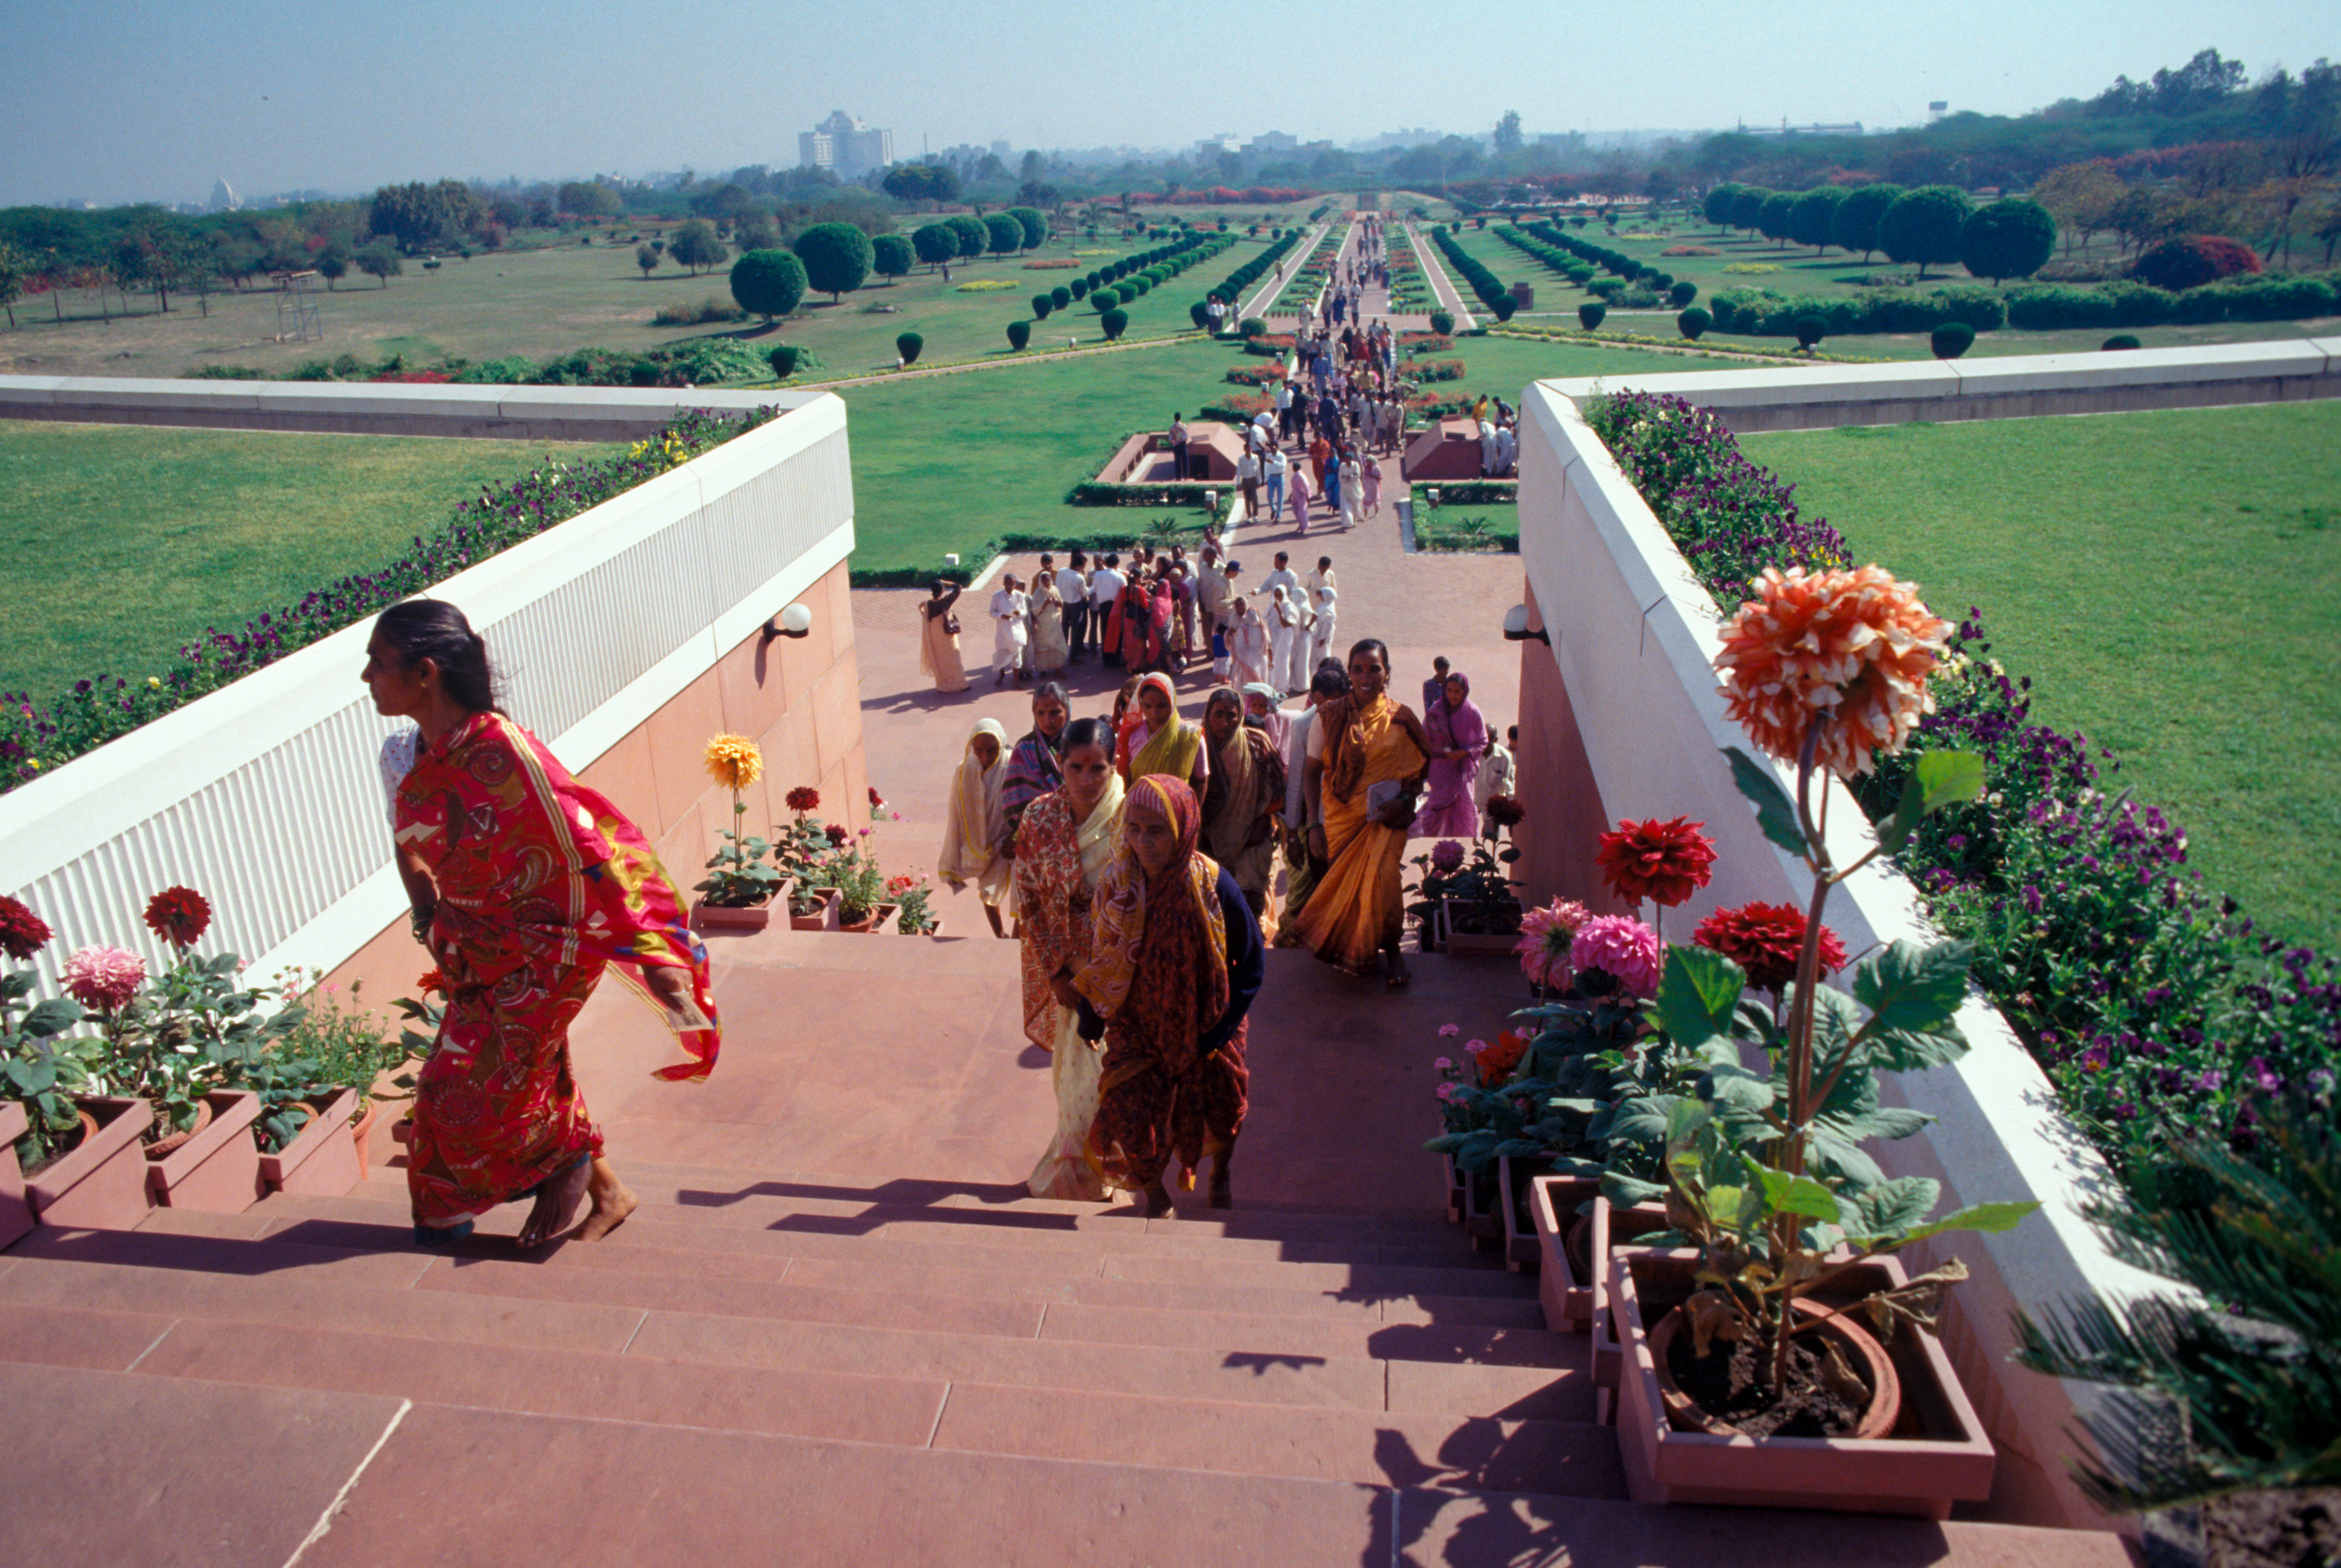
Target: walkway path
{"x":1441,"y":288}
{"x":1265,"y":295}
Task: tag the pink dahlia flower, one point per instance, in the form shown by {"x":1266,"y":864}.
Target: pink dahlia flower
{"x":1621,"y":948}
{"x":105,"y":977}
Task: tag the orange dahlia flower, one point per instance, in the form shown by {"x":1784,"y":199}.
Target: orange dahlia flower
{"x":1855,"y":644}
{"x":733,"y":761}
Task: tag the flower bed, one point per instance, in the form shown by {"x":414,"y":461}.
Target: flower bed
{"x":2149,"y":1002}
{"x":37,"y":737}
{"x":1062,"y":263}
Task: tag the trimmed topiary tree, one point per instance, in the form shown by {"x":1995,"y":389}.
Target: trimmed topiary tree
{"x":1442,"y":322}
{"x":1854,"y":226}
{"x":1811,"y":329}
{"x":1590,"y":314}
{"x":783,"y":357}
{"x":1504,"y":307}
{"x":1105,"y":300}
{"x":1252,"y":327}
{"x":1005,"y":234}
{"x":768,"y":284}
{"x":973,"y":236}
{"x":1041,"y":305}
{"x":836,"y":258}
{"x":2120,"y":341}
{"x":1060,"y":296}
{"x":908,"y":345}
{"x":1199,"y":313}
{"x":1018,"y":334}
{"x":1115,"y":324}
{"x":1951,"y":340}
{"x":1034,"y":224}
{"x":1772,"y":218}
{"x":2012,"y":238}
{"x":1923,"y":226}
{"x":935,"y":244}
{"x":1812,"y":217}
{"x":1683,"y":292}
{"x":1693,"y":321}
{"x":1080,"y":287}
{"x":890,"y":255}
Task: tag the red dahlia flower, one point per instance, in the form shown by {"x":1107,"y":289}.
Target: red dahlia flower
{"x":179,"y":916}
{"x":22,"y":932}
{"x":1506,"y":811}
{"x":804,"y":798}
{"x":431,"y":984}
{"x":1765,"y":939}
{"x":837,"y":835}
{"x":1661,"y":861}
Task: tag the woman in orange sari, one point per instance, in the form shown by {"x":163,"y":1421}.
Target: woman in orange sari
{"x":535,"y":886}
{"x":1176,"y":964}
{"x":1368,"y":756}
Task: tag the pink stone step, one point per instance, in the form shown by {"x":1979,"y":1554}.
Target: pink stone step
{"x":68,"y":1336}
{"x":1388,"y":1342}
{"x":113,"y":1470}
{"x":224,"y":1255}
{"x":1552,"y":1457}
{"x":803,"y":1401}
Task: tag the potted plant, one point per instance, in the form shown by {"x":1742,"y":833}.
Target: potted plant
{"x":738,"y":893}
{"x":1543,"y":949}
{"x":353,"y":1050}
{"x":911,"y":896}
{"x":861,"y":891}
{"x":1750,"y":1374}
{"x":1478,"y":910}
{"x":801,"y":850}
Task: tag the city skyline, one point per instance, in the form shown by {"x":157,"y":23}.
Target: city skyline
{"x":277,"y":101}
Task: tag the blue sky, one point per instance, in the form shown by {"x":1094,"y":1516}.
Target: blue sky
{"x":118,"y":102}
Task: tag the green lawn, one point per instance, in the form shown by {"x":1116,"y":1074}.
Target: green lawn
{"x":121,"y":543}
{"x":2172,"y":582}
{"x":1460,"y":527}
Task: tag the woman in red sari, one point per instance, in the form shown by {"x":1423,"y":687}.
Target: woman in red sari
{"x":1175,"y":963}
{"x":536,"y":885}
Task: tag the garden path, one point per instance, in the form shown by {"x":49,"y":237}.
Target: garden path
{"x":1442,"y":288}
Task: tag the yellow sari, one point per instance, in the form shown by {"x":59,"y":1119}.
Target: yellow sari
{"x":1356,"y":909}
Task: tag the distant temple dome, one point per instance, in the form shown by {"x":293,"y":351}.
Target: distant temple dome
{"x":224,"y":196}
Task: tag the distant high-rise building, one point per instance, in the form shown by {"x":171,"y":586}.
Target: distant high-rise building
{"x":224,"y":196}
{"x":845,"y":146}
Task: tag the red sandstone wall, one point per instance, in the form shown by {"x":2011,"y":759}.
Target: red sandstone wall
{"x":799,"y":697}
{"x":1565,"y":811}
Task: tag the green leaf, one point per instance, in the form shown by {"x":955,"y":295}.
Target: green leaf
{"x":1937,"y":779}
{"x":1982,"y":1216}
{"x":1840,"y":1157}
{"x":1800,"y":1195}
{"x":1735,"y":1088}
{"x":1912,"y":987}
{"x":46,"y":1018}
{"x":30,"y":1077}
{"x":1774,"y":812}
{"x":1699,"y":995}
{"x":1892,"y":1207}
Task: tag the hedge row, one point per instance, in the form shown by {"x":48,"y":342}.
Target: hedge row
{"x":1232,"y":286}
{"x":1560,"y":261}
{"x":2134,"y":304}
{"x":1475,"y":491}
{"x":1760,"y":312}
{"x":1484,"y":283}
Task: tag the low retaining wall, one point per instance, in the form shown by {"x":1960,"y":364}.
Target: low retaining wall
{"x":1820,"y":396}
{"x":1634,"y":637}
{"x":625,"y":636}
{"x":373,"y":408}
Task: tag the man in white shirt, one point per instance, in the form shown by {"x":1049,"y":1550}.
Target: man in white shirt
{"x":1284,"y":408}
{"x":1497,"y":776}
{"x":1273,"y":470}
{"x":1282,"y":578}
{"x":1009,"y":635}
{"x":1105,"y":585}
{"x":1248,"y":477}
{"x":1073,"y":587}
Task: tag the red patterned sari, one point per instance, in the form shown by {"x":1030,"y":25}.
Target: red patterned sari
{"x":542,"y":885}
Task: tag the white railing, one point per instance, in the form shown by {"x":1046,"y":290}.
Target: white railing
{"x":1635,"y":636}
{"x":266,"y":797}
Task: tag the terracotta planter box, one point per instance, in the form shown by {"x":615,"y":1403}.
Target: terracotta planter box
{"x":322,"y":1160}
{"x":706,"y":916}
{"x":823,"y":920}
{"x":102,"y":1185}
{"x":1936,"y":1456}
{"x":16,"y":1212}
{"x":1451,"y":940}
{"x":1553,"y":1203}
{"x":1483,"y":1218}
{"x":1611,"y":1234}
{"x":1513,"y":1177}
{"x":873,"y":923}
{"x":218,"y":1170}
{"x":1456,"y":1191}
{"x":362,"y":1139}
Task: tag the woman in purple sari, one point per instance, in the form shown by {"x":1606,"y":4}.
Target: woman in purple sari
{"x":1459,"y":741}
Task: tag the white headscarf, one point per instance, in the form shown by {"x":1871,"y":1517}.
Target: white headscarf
{"x":977,"y":820}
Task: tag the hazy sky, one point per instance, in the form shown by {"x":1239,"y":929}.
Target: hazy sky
{"x":116,"y":102}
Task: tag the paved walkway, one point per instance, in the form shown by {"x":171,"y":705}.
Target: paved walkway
{"x":1442,"y":288}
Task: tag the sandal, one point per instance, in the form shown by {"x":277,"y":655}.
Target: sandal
{"x":435,"y":1236}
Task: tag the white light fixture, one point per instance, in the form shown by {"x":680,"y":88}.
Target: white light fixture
{"x":1431,"y":495}
{"x":1516,"y":627}
{"x":796,"y":620}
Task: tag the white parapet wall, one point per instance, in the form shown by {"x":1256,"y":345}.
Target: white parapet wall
{"x":266,"y":795}
{"x":1635,"y":636}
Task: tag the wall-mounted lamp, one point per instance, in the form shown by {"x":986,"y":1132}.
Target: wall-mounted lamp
{"x":796,"y":620}
{"x":1431,"y":496}
{"x":1516,"y":627}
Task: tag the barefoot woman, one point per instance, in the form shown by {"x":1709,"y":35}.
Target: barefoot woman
{"x":1175,"y":965}
{"x":537,"y":884}
{"x":1366,"y":758}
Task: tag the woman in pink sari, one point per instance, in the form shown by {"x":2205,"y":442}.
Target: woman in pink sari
{"x":1300,"y":491}
{"x":1458,"y":739}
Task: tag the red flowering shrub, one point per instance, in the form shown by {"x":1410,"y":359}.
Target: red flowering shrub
{"x":1664,"y":862}
{"x":837,"y":836}
{"x":804,"y":798}
{"x":2191,"y":260}
{"x":22,"y":932}
{"x":1765,"y":939}
{"x":432,"y":983}
{"x":179,"y":916}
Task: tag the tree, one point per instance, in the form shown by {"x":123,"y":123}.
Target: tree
{"x":696,"y":247}
{"x":1923,"y":226}
{"x":1034,"y":225}
{"x":1772,"y":217}
{"x":380,"y":260}
{"x":1043,"y":304}
{"x":1006,"y":234}
{"x":935,"y":244}
{"x":770,"y":284}
{"x":1854,"y":226}
{"x":756,"y":231}
{"x":645,"y":257}
{"x":908,"y":345}
{"x":1033,"y":166}
{"x":1018,"y":334}
{"x":590,"y":200}
{"x":1748,"y":205}
{"x":1717,"y":207}
{"x":2081,"y":197}
{"x":889,"y":255}
{"x":1812,"y":217}
{"x":1115,"y":323}
{"x":16,"y":266}
{"x":420,"y":216}
{"x":836,"y":258}
{"x":973,"y":234}
{"x":1507,"y":132}
{"x":2011,"y":238}
{"x":333,"y":264}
